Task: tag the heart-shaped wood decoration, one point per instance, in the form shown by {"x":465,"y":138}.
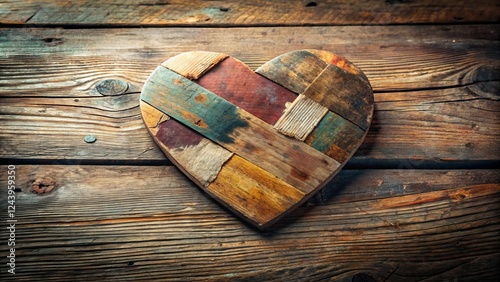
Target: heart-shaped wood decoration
{"x":261,"y":142}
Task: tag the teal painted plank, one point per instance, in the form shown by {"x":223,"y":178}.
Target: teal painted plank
{"x":238,"y":131}
{"x":215,"y":118}
{"x":335,"y":133}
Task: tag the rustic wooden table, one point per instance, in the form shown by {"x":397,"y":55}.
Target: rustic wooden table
{"x":418,"y":202}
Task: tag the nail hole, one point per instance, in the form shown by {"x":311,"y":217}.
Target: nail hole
{"x":52,"y":40}
{"x":18,"y":190}
{"x":458,"y":18}
{"x":311,"y":4}
{"x":224,"y":9}
{"x":89,"y":138}
{"x":130,"y":263}
{"x":43,"y":185}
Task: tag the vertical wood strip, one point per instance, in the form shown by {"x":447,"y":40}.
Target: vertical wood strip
{"x":300,"y":118}
{"x":344,"y":93}
{"x":193,"y":64}
{"x":294,"y":71}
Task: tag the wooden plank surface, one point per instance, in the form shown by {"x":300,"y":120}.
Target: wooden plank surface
{"x":245,"y":13}
{"x":393,"y":225}
{"x":436,"y":100}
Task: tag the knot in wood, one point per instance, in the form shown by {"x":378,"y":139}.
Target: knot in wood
{"x":43,"y":185}
{"x":110,"y":87}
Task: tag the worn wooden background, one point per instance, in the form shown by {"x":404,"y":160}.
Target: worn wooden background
{"x":420,"y":200}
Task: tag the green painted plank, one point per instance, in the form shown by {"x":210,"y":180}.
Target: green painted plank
{"x":192,"y":105}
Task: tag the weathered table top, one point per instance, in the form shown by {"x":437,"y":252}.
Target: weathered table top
{"x":418,"y":201}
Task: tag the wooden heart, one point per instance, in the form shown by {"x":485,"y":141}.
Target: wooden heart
{"x":261,"y":142}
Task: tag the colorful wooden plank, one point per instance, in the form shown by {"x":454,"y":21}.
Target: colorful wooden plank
{"x":238,"y":131}
{"x":200,"y":158}
{"x":254,"y":192}
{"x":237,"y":83}
{"x":336,"y":137}
{"x":294,"y":71}
{"x":346,"y":94}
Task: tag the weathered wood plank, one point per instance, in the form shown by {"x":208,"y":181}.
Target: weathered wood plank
{"x":334,"y":136}
{"x":398,"y":225}
{"x":48,"y":78}
{"x":237,"y":83}
{"x":254,"y":193}
{"x":346,"y":94}
{"x":441,"y":126}
{"x":58,"y":62}
{"x":295,"y":71}
{"x":301,"y":117}
{"x":247,"y":13}
{"x":238,"y":131}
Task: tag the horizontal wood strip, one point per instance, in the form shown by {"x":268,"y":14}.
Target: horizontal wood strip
{"x":48,"y":79}
{"x":365,"y":219}
{"x":253,"y":192}
{"x":410,"y":128}
{"x":247,"y":13}
{"x":237,"y":131}
{"x":39,"y":61}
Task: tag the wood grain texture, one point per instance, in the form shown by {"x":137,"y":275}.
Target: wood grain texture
{"x":394,"y":58}
{"x":442,"y":126}
{"x":246,"y":13}
{"x":300,"y":118}
{"x":259,"y":196}
{"x":436,"y":100}
{"x":246,"y":189}
{"x":194,"y":64}
{"x":294,"y":71}
{"x":237,"y":83}
{"x":346,"y":94}
{"x":397,"y":225}
{"x":238,"y":131}
{"x":335,"y":137}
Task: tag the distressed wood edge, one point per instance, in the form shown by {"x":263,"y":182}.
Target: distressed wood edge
{"x":300,"y":118}
{"x":193,"y":64}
